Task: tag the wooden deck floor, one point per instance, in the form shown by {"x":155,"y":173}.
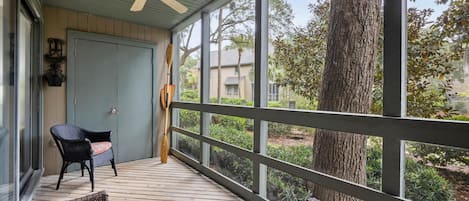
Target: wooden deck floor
{"x":146,"y":179}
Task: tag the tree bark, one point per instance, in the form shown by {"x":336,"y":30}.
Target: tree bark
{"x":240,"y":52}
{"x":346,"y":87}
{"x":219,"y":40}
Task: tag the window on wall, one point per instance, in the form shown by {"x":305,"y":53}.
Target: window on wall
{"x":232,"y":90}
{"x":273,"y":92}
{"x":189,"y":62}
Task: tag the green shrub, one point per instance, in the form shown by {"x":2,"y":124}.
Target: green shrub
{"x":232,"y":136}
{"x":233,"y":101}
{"x":300,"y":155}
{"x":189,"y":146}
{"x":458,"y":118}
{"x":424,"y":183}
{"x":283,"y":186}
{"x":276,"y":104}
{"x":439,"y":155}
{"x":230,"y":122}
{"x":374,"y":157}
{"x":278,"y":129}
{"x":232,"y":166}
{"x":188,"y":118}
{"x":190,"y":95}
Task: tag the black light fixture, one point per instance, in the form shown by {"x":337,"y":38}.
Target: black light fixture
{"x":54,"y":75}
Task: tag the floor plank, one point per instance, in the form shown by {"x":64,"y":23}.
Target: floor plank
{"x":146,"y":179}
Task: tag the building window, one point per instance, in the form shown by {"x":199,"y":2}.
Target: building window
{"x":232,"y":90}
{"x":273,"y":92}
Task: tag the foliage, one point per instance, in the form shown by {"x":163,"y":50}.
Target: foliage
{"x":439,"y":155}
{"x":190,"y":95}
{"x":428,"y":67}
{"x":237,"y":18}
{"x":300,"y":155}
{"x":189,"y":146}
{"x":229,"y":122}
{"x":278,"y":129}
{"x":283,"y":186}
{"x":300,"y":57}
{"x":188,"y":118}
{"x":188,"y":72}
{"x":232,"y":166}
{"x":374,"y":158}
{"x":232,"y":136}
{"x":424,"y":183}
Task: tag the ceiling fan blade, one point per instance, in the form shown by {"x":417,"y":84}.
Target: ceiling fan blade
{"x":175,"y":5}
{"x":138,"y":5}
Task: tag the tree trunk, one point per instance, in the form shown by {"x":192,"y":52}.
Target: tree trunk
{"x":220,"y":21}
{"x":240,"y":52}
{"x":346,"y":87}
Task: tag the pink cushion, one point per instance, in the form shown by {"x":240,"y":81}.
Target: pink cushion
{"x":100,"y":147}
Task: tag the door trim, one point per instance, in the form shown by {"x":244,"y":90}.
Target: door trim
{"x":73,"y":36}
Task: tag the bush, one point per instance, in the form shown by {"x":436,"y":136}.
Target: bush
{"x":424,"y":183}
{"x":278,"y":129}
{"x":189,"y":146}
{"x":232,"y":136}
{"x":230,"y":122}
{"x":188,"y":118}
{"x":283,"y":186}
{"x":374,"y":158}
{"x":439,"y":155}
{"x":190,"y":95}
{"x":300,"y":155}
{"x":233,"y":101}
{"x":232,"y":166}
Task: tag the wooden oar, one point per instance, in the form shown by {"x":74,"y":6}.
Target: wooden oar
{"x":166,"y":97}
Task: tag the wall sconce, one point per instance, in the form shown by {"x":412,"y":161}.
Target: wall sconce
{"x":54,"y":75}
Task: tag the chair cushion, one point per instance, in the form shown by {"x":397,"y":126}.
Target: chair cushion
{"x":100,"y":147}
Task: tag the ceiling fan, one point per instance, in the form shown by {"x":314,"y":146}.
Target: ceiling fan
{"x":174,"y":4}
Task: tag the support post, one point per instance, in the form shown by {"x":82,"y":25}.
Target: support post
{"x":394,"y":92}
{"x":260,"y":95}
{"x":175,"y":80}
{"x":205,"y":87}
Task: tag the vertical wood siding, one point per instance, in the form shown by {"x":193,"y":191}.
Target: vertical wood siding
{"x":56,"y":23}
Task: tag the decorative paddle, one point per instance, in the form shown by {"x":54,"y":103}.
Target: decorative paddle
{"x":166,"y":97}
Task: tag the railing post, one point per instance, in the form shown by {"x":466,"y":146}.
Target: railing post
{"x":394,"y":92}
{"x":260,"y":94}
{"x":175,"y":80}
{"x":205,"y":87}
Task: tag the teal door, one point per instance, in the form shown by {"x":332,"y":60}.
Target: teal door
{"x":111,"y":88}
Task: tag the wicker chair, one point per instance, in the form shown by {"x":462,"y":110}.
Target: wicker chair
{"x":77,"y":145}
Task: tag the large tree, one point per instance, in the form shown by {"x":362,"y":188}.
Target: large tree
{"x":347,"y":86}
{"x":433,"y":48}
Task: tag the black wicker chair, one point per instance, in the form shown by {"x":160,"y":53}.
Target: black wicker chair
{"x":77,"y":145}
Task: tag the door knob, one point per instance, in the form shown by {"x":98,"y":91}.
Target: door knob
{"x":114,"y":111}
